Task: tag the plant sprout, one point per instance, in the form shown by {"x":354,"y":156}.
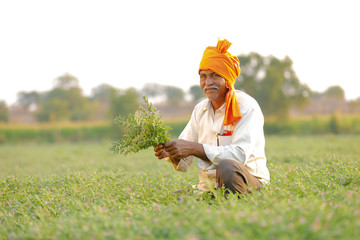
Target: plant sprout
{"x":144,"y":129}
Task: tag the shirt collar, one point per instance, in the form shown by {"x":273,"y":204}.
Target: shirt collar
{"x":208,"y":107}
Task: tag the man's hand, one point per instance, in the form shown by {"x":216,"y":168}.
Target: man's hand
{"x":160,"y":151}
{"x":179,"y":149}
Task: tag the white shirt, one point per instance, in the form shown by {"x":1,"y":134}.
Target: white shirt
{"x":246,"y":144}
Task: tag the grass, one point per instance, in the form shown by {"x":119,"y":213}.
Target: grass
{"x":83,"y":191}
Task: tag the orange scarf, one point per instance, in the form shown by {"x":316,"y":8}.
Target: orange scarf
{"x":219,"y":60}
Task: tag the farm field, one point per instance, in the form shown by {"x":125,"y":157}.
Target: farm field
{"x":83,"y":191}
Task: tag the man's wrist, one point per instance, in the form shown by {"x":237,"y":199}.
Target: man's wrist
{"x":200,"y":152}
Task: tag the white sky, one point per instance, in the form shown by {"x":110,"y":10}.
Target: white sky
{"x":130,"y":43}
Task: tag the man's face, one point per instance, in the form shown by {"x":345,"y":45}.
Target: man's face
{"x":214,"y":87}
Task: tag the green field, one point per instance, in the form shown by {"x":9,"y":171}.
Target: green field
{"x":83,"y":191}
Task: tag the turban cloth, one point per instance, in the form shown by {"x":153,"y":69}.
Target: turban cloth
{"x":219,"y":60}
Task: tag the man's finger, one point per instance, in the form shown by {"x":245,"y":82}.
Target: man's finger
{"x":168,"y":144}
{"x":170,"y":149}
{"x":158,"y":147}
{"x":160,"y":156}
{"x":172,"y":152}
{"x":175,"y":155}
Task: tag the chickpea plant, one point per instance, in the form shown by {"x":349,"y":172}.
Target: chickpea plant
{"x":144,"y":129}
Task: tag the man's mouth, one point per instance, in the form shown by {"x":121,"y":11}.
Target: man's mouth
{"x":211,"y":87}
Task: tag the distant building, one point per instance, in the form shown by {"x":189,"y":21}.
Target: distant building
{"x":19,"y":114}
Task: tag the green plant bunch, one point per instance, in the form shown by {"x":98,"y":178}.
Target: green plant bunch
{"x":144,"y":129}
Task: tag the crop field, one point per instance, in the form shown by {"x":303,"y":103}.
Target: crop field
{"x":83,"y":191}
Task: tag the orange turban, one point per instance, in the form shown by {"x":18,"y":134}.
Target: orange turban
{"x":219,"y":60}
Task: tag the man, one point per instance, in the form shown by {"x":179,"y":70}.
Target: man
{"x":225,"y":130}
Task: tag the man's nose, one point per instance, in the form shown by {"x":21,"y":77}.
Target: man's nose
{"x":209,"y":81}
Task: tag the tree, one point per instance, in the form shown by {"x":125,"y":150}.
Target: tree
{"x":196,"y":93}
{"x":79,"y":106}
{"x":103,"y":93}
{"x":28,"y":100}
{"x":4,"y":112}
{"x":153,"y":90}
{"x":174,"y":94}
{"x":125,"y":102}
{"x":253,"y":70}
{"x":53,"y":110}
{"x":66,"y":82}
{"x":273,"y":83}
{"x":101,"y":97}
{"x":335,"y":92}
{"x":64,"y":102}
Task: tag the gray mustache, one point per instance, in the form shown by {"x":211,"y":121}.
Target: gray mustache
{"x":213,"y":86}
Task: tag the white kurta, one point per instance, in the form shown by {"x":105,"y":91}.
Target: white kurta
{"x":244,"y":142}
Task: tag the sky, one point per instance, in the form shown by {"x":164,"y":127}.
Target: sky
{"x":131,"y":43}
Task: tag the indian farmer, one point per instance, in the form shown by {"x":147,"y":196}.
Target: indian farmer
{"x":225,"y":130}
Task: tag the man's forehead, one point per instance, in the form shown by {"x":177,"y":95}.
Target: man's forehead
{"x":207,"y":72}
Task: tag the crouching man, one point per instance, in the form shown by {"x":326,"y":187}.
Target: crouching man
{"x":225,"y":130}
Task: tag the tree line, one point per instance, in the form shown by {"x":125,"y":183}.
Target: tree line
{"x":271,"y":81}
{"x":66,"y":101}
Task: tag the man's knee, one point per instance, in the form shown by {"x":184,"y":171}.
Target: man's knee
{"x":234,"y":176}
{"x":226,"y":169}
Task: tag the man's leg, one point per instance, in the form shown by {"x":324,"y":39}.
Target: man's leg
{"x":234,"y":176}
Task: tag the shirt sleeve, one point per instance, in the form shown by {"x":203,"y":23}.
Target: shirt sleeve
{"x":247,"y":133}
{"x":190,"y":132}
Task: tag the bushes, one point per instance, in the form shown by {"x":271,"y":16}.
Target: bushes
{"x":55,"y":134}
{"x":95,"y":132}
{"x":68,"y":133}
{"x":335,"y":124}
